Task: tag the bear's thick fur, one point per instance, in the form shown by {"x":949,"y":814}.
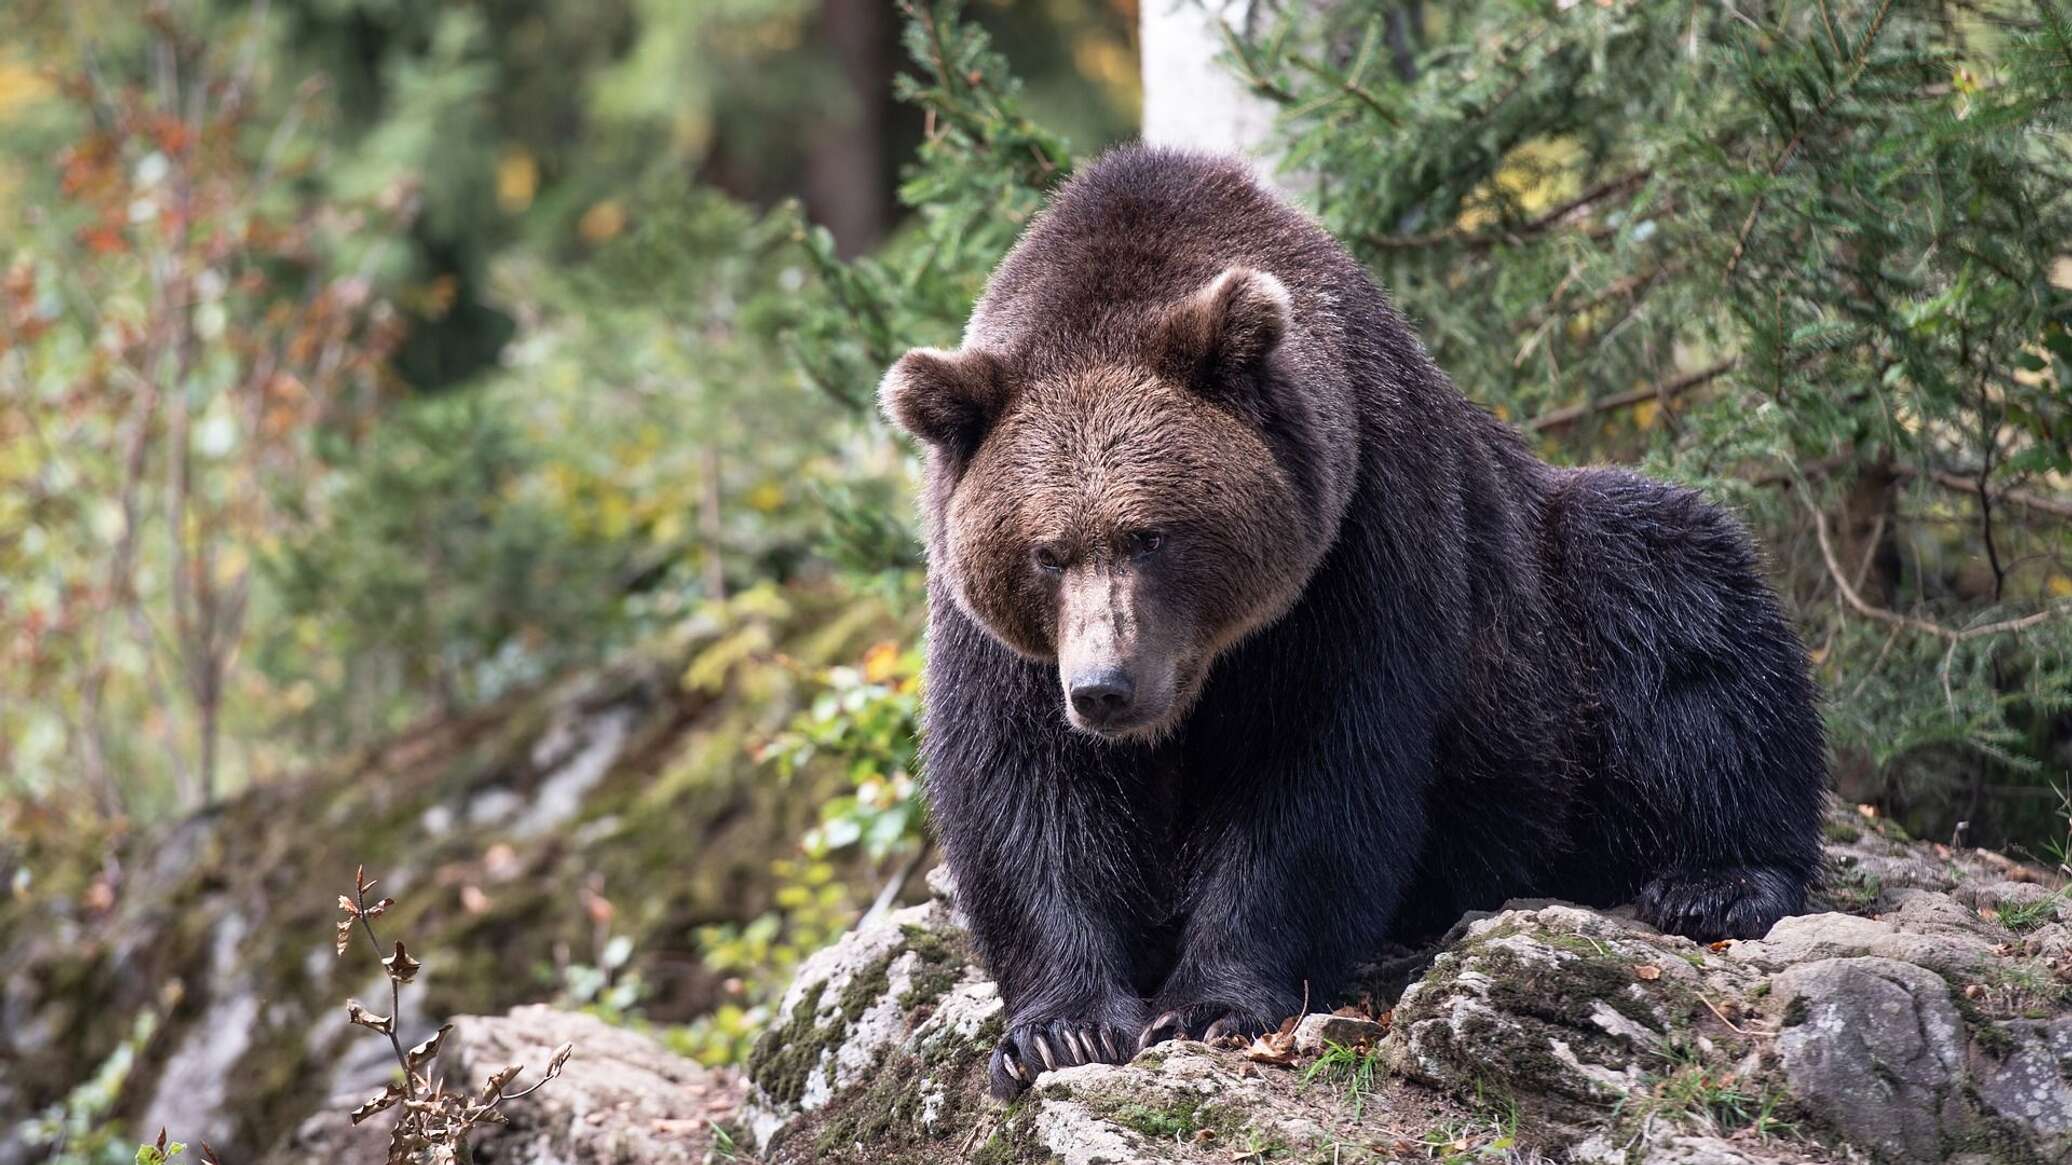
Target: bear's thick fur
{"x":1253,"y":644}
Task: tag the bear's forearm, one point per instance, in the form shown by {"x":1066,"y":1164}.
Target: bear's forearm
{"x":1301,"y":881}
{"x":1055,"y":864}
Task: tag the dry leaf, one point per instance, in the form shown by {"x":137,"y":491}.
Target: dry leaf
{"x":1647,"y":971}
{"x":1275,"y":1047}
{"x":345,"y":935}
{"x":497,"y":1081}
{"x":424,"y":1052}
{"x":385,"y":1099}
{"x":356,"y":1012}
{"x":400,"y":966}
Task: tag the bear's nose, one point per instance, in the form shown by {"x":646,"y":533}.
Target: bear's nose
{"x":1103,"y":694}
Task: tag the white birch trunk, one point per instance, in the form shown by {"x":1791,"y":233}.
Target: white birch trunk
{"x":1192,"y":97}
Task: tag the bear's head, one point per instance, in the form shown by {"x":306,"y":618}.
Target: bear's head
{"x":1128,"y":516}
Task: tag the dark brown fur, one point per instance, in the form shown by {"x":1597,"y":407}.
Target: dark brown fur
{"x":1253,"y":643}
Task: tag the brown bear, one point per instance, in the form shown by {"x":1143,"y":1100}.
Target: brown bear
{"x":1253,"y":644}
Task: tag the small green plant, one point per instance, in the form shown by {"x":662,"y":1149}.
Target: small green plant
{"x":868,"y":722}
{"x":1694,"y":1089}
{"x":864,"y":726}
{"x":435,"y":1124}
{"x":2059,"y":848}
{"x":161,"y":1151}
{"x":2020,"y":917}
{"x":724,"y":1147}
{"x":1459,"y":1142}
{"x":1352,"y":1068}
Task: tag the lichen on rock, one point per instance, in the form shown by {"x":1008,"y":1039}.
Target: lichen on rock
{"x":1923,"y":1028}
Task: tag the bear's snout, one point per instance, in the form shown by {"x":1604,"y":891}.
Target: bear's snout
{"x":1102,"y":695}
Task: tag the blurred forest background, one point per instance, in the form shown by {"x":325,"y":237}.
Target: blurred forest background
{"x":372,"y":371}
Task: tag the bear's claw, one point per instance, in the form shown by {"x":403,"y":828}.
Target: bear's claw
{"x":1211,"y":1023}
{"x":1032,"y":1048}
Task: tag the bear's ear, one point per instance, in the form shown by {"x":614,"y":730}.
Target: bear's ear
{"x":1225,"y":330}
{"x":947,"y":399}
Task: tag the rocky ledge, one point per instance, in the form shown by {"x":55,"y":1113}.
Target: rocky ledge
{"x":1926,"y":1015}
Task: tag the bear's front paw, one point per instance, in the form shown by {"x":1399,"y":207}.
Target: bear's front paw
{"x":1210,"y":1022}
{"x":1031,"y":1048}
{"x":1738,"y":902}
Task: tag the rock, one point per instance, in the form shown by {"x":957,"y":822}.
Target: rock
{"x":1555,"y":1000}
{"x":1319,"y":1032}
{"x":2029,"y":1082}
{"x":1927,"y":930}
{"x":879,"y":1055}
{"x":1875,"y":1049}
{"x":1918,"y":1029}
{"x":621,"y":1099}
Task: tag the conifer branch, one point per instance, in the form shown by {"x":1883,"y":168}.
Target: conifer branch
{"x":1482,"y":240}
{"x":1791,"y":148}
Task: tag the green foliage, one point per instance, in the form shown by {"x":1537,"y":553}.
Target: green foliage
{"x":863,"y":732}
{"x":758,"y":959}
{"x":185,"y":329}
{"x":866,"y":723}
{"x":980,"y":175}
{"x":442,"y":566}
{"x":84,"y":1128}
{"x":1809,"y":257}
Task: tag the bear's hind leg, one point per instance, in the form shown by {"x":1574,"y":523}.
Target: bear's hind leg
{"x":1718,"y":785}
{"x":1718,"y":775}
{"x":1708,"y":772}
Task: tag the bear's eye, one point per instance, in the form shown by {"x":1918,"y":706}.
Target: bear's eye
{"x":1145,"y":543}
{"x":1047,"y":560}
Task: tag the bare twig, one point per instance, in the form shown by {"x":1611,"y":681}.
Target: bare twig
{"x":1953,"y":636}
{"x":1737,"y":1029}
{"x":1912,"y":622}
{"x":1664,"y":390}
{"x":2025,"y":499}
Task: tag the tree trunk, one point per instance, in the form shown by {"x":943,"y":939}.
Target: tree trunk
{"x":1192,"y":98}
{"x":848,"y":187}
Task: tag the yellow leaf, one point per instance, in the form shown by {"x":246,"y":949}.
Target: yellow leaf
{"x":517,"y":179}
{"x":20,"y":85}
{"x":602,"y":222}
{"x":881,"y":662}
